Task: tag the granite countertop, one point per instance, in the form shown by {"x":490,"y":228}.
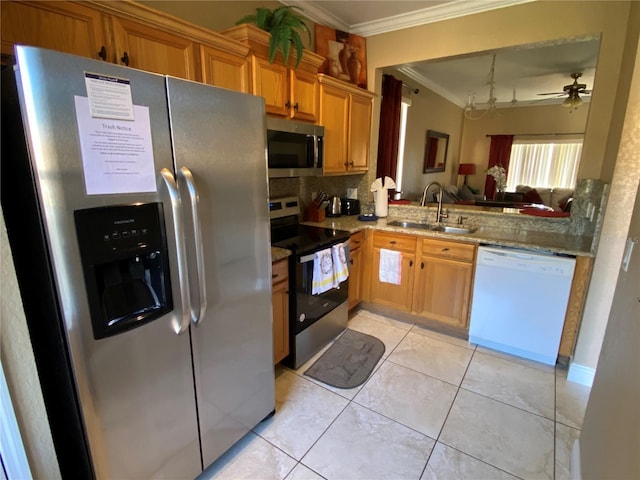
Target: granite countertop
{"x":278,"y":253}
{"x":508,"y":237}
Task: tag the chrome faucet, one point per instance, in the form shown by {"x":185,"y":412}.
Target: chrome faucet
{"x":423,"y":201}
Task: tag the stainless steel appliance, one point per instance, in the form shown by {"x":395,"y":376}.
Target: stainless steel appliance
{"x":295,"y":149}
{"x":147,"y":298}
{"x":350,"y":206}
{"x":314,"y":320}
{"x":334,"y":209}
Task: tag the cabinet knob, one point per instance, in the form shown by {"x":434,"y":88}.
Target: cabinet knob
{"x":351,"y":261}
{"x":422,"y":265}
{"x":103,"y":53}
{"x":411,"y":263}
{"x":392,"y":242}
{"x":444,"y":250}
{"x":125,"y":59}
{"x":351,"y":163}
{"x":274,"y":275}
{"x":287,"y":105}
{"x":295,"y":106}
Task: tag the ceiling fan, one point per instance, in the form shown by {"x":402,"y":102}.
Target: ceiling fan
{"x":572,"y":91}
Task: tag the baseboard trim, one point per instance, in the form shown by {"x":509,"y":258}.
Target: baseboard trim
{"x":575,"y":472}
{"x":581,"y":374}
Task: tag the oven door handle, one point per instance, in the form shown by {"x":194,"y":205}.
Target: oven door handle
{"x":310,"y":257}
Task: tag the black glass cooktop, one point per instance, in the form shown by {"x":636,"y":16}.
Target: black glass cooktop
{"x":305,"y":238}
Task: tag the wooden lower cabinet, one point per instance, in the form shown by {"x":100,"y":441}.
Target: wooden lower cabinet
{"x":389,"y":294}
{"x":436,"y":277}
{"x":280,"y":305}
{"x":443,"y":283}
{"x":355,"y":269}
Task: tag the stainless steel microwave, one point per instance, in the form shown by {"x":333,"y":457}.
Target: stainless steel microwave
{"x":295,"y":149}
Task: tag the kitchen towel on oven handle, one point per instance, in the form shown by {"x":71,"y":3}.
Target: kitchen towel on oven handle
{"x":390,"y":270}
{"x":340,"y":268}
{"x":323,"y":276}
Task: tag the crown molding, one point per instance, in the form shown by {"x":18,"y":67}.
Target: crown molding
{"x":457,"y":8}
{"x":314,"y":12}
{"x":424,"y":81}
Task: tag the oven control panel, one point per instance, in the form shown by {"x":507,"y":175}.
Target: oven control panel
{"x":283,"y":207}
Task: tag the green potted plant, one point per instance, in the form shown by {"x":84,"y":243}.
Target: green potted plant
{"x":284,"y":26}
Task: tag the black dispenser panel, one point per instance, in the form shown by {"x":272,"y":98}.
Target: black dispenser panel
{"x":126,"y":265}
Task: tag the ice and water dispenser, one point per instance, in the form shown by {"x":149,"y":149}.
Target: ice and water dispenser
{"x":126,"y":266}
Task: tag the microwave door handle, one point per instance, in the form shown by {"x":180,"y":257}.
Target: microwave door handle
{"x":316,"y":150}
{"x":185,"y":173}
{"x":181,"y":252}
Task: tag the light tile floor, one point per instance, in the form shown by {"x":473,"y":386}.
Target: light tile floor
{"x":435,"y":407}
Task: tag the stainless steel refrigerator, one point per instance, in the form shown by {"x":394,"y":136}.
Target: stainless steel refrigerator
{"x":137,"y":212}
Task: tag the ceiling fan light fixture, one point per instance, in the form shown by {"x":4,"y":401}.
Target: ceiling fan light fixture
{"x":572,"y":101}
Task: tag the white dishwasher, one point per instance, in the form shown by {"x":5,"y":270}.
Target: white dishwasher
{"x":519,"y":301}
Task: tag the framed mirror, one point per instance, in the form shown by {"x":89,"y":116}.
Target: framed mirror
{"x":435,"y":152}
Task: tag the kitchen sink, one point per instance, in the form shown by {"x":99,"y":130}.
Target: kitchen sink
{"x":453,"y":229}
{"x":399,"y":223}
{"x":436,"y":228}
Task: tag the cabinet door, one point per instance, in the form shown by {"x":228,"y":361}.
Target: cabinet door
{"x":334,"y":116}
{"x":154,"y":50}
{"x":355,"y":277}
{"x":63,"y":26}
{"x":270,"y":82}
{"x":303,"y":95}
{"x":223,"y":69}
{"x":443,"y":290}
{"x":280,"y":306}
{"x":397,"y":296}
{"x":359,"y":133}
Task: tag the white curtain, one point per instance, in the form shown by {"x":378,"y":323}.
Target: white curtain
{"x":549,"y":164}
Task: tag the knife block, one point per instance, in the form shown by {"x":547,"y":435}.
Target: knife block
{"x":313,"y":213}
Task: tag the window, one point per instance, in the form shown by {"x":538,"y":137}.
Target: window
{"x":404,"y":110}
{"x":544,"y":163}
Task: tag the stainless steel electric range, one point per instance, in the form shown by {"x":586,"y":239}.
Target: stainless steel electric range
{"x":314,"y":320}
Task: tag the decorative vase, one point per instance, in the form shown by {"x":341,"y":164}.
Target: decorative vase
{"x":333,"y":71}
{"x":343,"y":56}
{"x":354,"y":66}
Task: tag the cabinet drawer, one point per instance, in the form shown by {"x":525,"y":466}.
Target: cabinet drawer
{"x":446,"y":249}
{"x":279,"y":271}
{"x":357,"y":241}
{"x":394,"y":241}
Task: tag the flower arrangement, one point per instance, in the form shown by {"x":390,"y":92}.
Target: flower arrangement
{"x":499,"y":175}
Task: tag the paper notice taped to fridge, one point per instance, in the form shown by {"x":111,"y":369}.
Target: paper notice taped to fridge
{"x":117,"y":155}
{"x":109,"y":97}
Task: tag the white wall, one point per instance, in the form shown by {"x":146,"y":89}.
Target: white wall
{"x":624,"y":184}
{"x":20,"y":370}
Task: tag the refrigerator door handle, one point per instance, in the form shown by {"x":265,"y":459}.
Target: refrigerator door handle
{"x":197,"y":235}
{"x":181,"y":251}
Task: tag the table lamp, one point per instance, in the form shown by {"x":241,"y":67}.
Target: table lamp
{"x":466,"y":169}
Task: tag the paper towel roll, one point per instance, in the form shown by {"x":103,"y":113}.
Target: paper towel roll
{"x":381,"y":199}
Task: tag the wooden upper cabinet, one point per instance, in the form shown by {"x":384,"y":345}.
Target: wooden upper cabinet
{"x":345,"y":113}
{"x":289,"y":91}
{"x":303,"y":95}
{"x":269,"y":81}
{"x":359,"y":132}
{"x":334,"y":116}
{"x":127,"y":33}
{"x":152,"y":49}
{"x":63,"y":26}
{"x":225,"y":69}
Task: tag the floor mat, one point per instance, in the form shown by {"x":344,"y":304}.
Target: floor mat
{"x":349,"y":361}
